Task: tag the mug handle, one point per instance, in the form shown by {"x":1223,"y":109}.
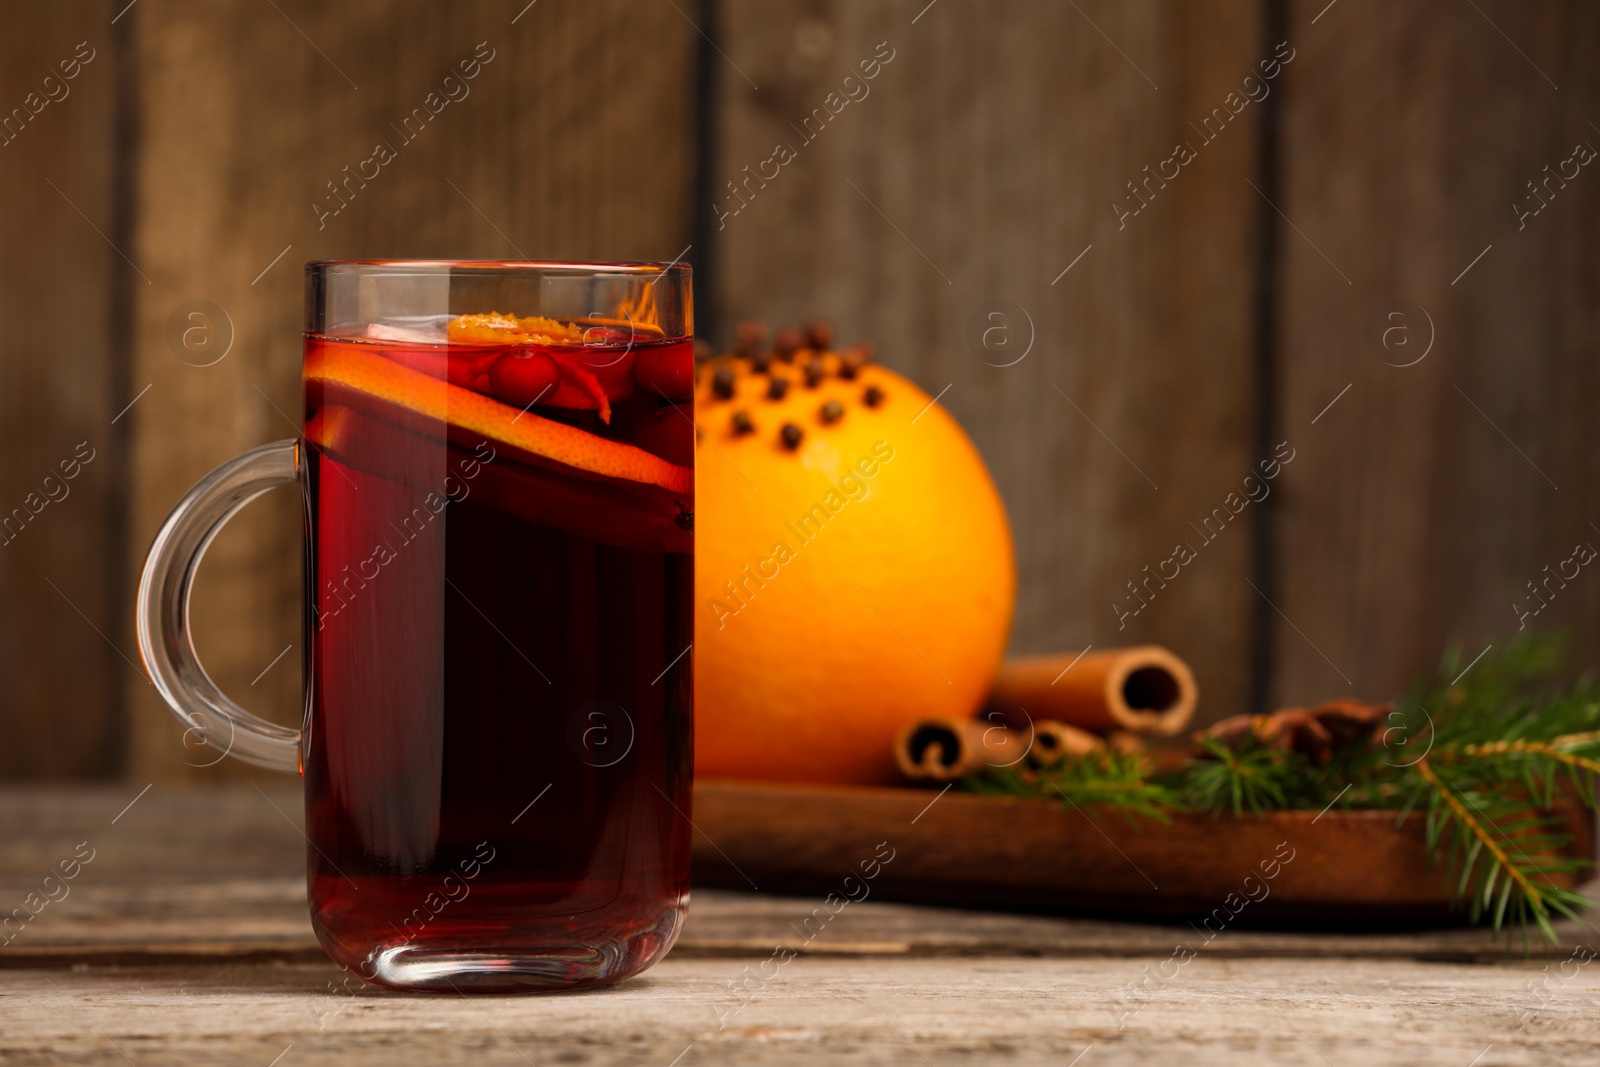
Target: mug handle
{"x":162,"y":609}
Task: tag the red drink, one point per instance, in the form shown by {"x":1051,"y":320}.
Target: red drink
{"x":498,"y":752}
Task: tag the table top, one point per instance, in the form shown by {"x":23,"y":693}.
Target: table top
{"x":185,"y":940}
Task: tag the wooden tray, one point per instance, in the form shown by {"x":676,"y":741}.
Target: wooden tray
{"x":1343,"y":867}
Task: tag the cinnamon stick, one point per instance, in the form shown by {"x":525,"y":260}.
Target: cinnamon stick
{"x":1056,"y":740}
{"x":1143,"y":690}
{"x":943,"y":750}
{"x":1126,"y":742}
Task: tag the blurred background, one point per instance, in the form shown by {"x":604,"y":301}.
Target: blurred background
{"x":1136,"y":248}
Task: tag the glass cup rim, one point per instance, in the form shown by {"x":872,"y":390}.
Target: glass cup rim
{"x":374,"y":286}
{"x":569,"y":268}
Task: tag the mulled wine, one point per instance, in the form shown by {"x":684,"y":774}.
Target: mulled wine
{"x":498,"y":749}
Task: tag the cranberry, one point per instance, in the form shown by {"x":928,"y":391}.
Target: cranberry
{"x":521,"y":378}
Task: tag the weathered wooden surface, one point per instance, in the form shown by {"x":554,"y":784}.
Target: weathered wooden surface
{"x":1447,"y":477}
{"x":982,"y":160}
{"x":185,"y":940}
{"x":1217,"y":1012}
{"x":62,"y":285}
{"x":188,"y":873}
{"x":247,"y":112}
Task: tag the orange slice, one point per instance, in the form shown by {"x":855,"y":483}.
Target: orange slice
{"x":382,"y":383}
{"x":641,"y":519}
{"x":497,"y":329}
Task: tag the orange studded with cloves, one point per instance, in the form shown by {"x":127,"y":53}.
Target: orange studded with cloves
{"x":853,"y":562}
{"x":781,"y":394}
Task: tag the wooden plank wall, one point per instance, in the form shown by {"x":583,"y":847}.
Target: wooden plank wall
{"x":573,"y":141}
{"x":984,"y":159}
{"x":1431,"y":494}
{"x":1416,"y":509}
{"x":992,"y":152}
{"x":62,"y":286}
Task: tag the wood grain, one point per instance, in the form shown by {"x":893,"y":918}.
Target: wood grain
{"x":189,"y":875}
{"x":1215,"y":1013}
{"x":983,"y":160}
{"x":1430,"y":494}
{"x":986,"y":158}
{"x":913,"y":844}
{"x":185,"y":940}
{"x":59,"y":294}
{"x":248,"y":112}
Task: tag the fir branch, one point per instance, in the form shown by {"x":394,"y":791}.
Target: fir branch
{"x":1500,"y":745}
{"x":1495,"y":748}
{"x":1473,"y":826}
{"x":1521,"y":887}
{"x":1589,"y":737}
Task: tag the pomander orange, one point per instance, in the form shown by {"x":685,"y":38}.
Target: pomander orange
{"x":853,"y":563}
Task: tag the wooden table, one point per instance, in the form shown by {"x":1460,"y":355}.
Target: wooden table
{"x":185,"y":941}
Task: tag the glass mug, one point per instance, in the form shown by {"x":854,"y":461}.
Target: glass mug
{"x":497,"y":464}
